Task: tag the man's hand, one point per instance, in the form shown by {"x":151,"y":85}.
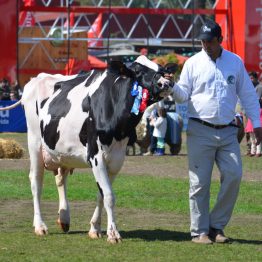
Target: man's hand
{"x":169,"y":76}
{"x":258,"y":134}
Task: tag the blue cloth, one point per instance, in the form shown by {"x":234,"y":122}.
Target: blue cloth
{"x":137,"y":92}
{"x":134,"y":91}
{"x":173,"y":134}
{"x":12,"y":120}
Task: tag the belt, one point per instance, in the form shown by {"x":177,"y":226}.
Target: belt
{"x":209,"y":124}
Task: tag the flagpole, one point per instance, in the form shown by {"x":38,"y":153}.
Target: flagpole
{"x":17,"y":40}
{"x":147,"y":42}
{"x":108,"y":35}
{"x":68,"y":34}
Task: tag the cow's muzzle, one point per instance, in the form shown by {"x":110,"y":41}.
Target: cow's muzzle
{"x":165,"y":86}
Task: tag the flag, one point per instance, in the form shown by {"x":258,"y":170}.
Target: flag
{"x":94,"y":32}
{"x":71,"y":20}
{"x":27,"y":18}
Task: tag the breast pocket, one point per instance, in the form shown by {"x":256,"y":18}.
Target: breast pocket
{"x":226,"y":85}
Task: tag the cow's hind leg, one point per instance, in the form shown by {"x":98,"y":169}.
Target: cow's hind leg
{"x":36,"y":178}
{"x":95,"y":223}
{"x":64,"y":212}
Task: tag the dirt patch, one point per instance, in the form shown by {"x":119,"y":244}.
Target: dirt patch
{"x":165,"y":166}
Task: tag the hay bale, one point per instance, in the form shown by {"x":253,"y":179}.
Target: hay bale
{"x":9,"y":148}
{"x":141,"y":131}
{"x":143,"y":137}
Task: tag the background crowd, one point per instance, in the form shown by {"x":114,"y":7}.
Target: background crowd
{"x":10,"y":91}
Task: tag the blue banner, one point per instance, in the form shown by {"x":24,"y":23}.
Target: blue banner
{"x":12,"y":120}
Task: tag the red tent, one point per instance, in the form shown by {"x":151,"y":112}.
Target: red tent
{"x":75,"y":66}
{"x":96,"y":63}
{"x":181,"y":58}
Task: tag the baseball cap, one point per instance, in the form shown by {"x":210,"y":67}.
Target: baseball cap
{"x":209,"y":30}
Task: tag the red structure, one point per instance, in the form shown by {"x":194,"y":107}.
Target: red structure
{"x":147,"y":27}
{"x":8,"y":43}
{"x":243,"y":30}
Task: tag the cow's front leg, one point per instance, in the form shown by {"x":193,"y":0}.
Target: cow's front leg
{"x":64,"y":212}
{"x":106,"y":191}
{"x":113,"y":235}
{"x":95,"y":223}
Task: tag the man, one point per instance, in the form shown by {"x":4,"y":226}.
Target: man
{"x":212,"y":81}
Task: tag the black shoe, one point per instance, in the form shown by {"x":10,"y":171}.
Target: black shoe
{"x":217,"y":235}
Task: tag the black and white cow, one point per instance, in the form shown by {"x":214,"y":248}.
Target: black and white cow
{"x":83,"y":120}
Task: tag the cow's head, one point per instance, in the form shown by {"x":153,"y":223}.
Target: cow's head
{"x":149,"y":75}
{"x":153,"y":77}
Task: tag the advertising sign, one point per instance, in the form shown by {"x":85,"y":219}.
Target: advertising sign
{"x":12,"y":120}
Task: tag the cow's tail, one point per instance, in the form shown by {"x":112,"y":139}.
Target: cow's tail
{"x":11,"y":106}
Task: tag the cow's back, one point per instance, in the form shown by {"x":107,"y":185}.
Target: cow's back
{"x":41,"y":88}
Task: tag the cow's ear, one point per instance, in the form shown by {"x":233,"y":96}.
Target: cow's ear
{"x":118,"y":67}
{"x":171,"y":68}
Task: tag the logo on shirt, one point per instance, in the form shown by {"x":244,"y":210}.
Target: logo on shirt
{"x":206,"y":29}
{"x":231,"y":80}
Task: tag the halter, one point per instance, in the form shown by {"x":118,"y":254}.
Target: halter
{"x":142,"y":96}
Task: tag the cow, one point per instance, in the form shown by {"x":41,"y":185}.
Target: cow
{"x":86,"y":120}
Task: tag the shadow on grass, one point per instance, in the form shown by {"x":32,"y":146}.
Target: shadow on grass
{"x":245,"y":241}
{"x":79,"y":232}
{"x":147,"y":235}
{"x":157,"y":234}
{"x":76,"y":232}
{"x":161,"y":235}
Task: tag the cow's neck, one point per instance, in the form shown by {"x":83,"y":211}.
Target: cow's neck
{"x":111,"y":108}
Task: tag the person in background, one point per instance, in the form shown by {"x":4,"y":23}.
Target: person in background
{"x":159,"y":133}
{"x":5,"y":89}
{"x":151,"y":114}
{"x":255,"y":149}
{"x":252,"y":148}
{"x":16,"y":91}
{"x":13,"y":96}
{"x":212,"y":81}
{"x":258,"y":86}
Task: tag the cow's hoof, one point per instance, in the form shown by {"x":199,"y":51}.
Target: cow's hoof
{"x":114,"y":240}
{"x":95,"y":235}
{"x":65,"y":227}
{"x":41,"y":231}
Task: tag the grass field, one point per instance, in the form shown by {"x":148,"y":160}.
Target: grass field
{"x":151,"y":211}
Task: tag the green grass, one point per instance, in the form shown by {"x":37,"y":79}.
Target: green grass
{"x":154,"y":193}
{"x":152,"y":213}
{"x":67,"y":248}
